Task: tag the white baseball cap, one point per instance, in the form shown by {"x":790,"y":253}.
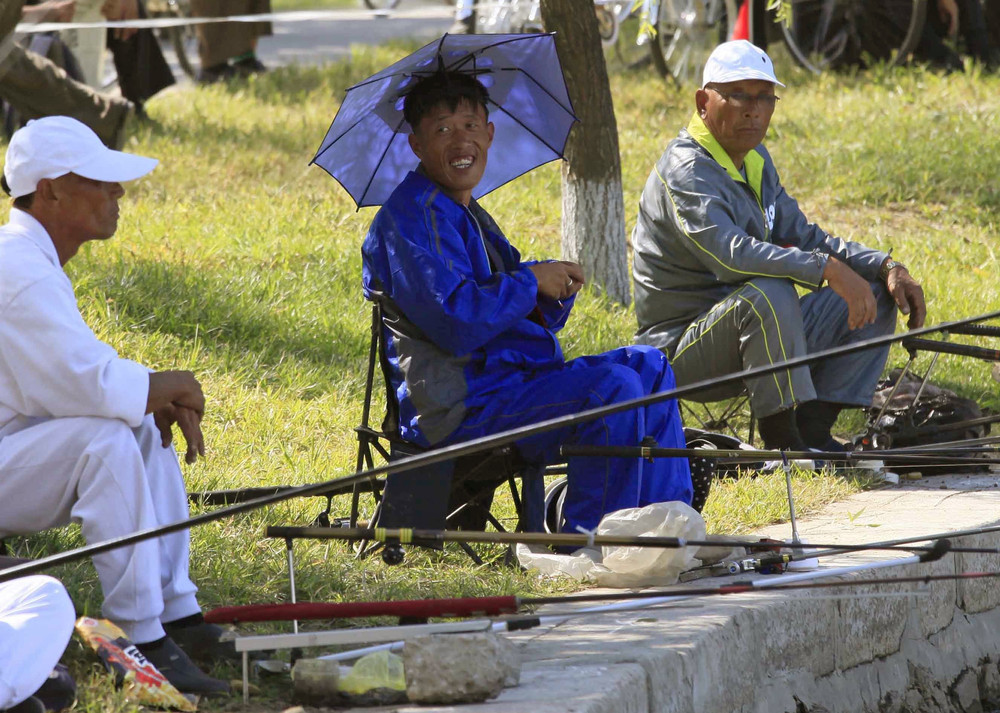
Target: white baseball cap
{"x":57,"y":145}
{"x":736,"y":60}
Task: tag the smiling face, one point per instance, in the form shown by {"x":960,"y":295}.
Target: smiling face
{"x":452,"y":146}
{"x":738,"y":126}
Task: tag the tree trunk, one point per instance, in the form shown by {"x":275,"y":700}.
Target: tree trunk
{"x":593,"y":211}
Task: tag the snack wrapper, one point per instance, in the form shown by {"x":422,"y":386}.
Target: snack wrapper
{"x":143,"y":684}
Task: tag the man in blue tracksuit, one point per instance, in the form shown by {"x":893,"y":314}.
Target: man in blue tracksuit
{"x":470,"y":328}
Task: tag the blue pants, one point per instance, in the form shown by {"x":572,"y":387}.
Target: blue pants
{"x":597,"y":486}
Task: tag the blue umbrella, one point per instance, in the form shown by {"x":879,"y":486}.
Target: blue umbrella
{"x":367,"y":150}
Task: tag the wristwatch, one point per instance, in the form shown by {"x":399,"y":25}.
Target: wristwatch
{"x":887,"y":267}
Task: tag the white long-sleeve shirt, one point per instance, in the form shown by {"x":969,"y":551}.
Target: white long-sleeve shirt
{"x":51,"y":362}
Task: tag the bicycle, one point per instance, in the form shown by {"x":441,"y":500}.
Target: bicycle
{"x":181,"y":37}
{"x":686,"y":33}
{"x":833,"y":34}
{"x":677,"y":35}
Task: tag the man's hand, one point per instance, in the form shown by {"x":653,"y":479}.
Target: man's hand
{"x":857,"y":293}
{"x":175,"y":388}
{"x":190,"y":425}
{"x":121,"y":10}
{"x":948,"y":12}
{"x":558,"y":280}
{"x":909,"y":296}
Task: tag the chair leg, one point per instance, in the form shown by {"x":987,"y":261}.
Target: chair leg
{"x":291,"y":580}
{"x":471,"y":553}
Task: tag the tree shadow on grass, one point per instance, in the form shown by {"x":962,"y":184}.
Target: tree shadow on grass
{"x":256,"y":320}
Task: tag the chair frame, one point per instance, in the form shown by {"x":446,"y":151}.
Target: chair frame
{"x":386,"y":442}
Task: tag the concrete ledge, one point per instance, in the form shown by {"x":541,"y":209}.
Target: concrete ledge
{"x":876,"y":648}
{"x":615,"y":688}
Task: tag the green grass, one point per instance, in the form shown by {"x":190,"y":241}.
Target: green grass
{"x":286,"y":5}
{"x":239,"y":261}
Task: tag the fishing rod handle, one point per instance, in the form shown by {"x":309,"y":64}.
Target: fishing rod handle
{"x":983,"y":330}
{"x":929,"y":345}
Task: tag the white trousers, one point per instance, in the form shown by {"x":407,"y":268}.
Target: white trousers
{"x":36,"y":621}
{"x":112,"y":480}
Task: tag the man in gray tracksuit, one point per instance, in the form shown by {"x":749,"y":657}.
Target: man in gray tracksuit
{"x":720,"y":248}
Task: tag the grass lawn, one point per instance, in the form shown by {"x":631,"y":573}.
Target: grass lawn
{"x":286,"y":5}
{"x":239,"y":261}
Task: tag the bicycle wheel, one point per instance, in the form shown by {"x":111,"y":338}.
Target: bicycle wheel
{"x":182,"y":38}
{"x":833,"y":34}
{"x":620,"y":35}
{"x":686,"y":33}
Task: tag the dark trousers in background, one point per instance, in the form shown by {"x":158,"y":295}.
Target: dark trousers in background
{"x":218,"y":42}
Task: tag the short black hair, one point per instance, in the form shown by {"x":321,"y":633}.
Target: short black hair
{"x":21,"y":202}
{"x":450,"y":88}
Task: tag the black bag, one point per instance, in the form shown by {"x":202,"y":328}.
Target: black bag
{"x":939,"y":416}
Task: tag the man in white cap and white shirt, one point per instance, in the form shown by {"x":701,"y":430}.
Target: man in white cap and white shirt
{"x":85,"y":436}
{"x":719,"y":249}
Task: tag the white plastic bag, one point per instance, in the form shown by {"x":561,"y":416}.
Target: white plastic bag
{"x":627,"y":566}
{"x":543,"y":560}
{"x":644,"y":566}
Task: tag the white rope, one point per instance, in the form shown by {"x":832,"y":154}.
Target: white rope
{"x":429,"y":13}
{"x":589,"y":533}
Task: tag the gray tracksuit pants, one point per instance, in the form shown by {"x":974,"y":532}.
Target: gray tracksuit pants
{"x":764,"y":321}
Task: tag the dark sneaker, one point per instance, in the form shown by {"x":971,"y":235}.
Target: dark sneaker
{"x":203,"y":642}
{"x":28,"y":705}
{"x":216,"y":73}
{"x":181,"y":671}
{"x":59,"y":690}
{"x":249,"y":65}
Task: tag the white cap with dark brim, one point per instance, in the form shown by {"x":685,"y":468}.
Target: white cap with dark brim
{"x":738,"y":60}
{"x":57,"y":145}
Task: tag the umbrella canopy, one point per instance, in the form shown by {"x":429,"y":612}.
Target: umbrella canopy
{"x":367,"y":149}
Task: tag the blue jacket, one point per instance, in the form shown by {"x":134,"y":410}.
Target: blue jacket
{"x":462,"y":314}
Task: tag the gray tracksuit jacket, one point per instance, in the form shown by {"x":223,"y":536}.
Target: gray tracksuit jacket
{"x":703,"y":229}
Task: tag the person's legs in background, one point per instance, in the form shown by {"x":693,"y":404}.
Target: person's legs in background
{"x":36,"y":87}
{"x":228,"y":49}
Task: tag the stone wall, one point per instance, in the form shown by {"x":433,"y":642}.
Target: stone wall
{"x":863,"y":649}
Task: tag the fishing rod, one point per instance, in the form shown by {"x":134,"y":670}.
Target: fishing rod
{"x":632,"y":601}
{"x":740,"y":455}
{"x":474,"y":446}
{"x":406,"y":536}
{"x":505,"y":605}
{"x":965,"y":444}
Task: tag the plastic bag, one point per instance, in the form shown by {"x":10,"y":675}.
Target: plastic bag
{"x":142,"y":682}
{"x":540,"y":558}
{"x":382,"y":669}
{"x":671,"y":519}
{"x":628,"y":566}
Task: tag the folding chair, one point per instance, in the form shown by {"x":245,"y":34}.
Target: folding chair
{"x":454,"y":494}
{"x":727,"y":417}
